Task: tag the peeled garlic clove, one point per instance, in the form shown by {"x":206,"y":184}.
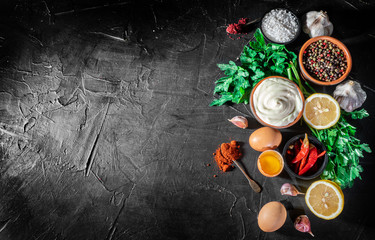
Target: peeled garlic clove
{"x":349,"y":95}
{"x":289,"y":190}
{"x":239,"y":121}
{"x":302,"y":224}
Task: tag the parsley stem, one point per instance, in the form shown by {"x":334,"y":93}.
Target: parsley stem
{"x":289,"y":71}
{"x":297,"y":79}
{"x":315,"y":132}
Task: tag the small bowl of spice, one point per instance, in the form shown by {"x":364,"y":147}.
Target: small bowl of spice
{"x":325,"y":60}
{"x":305,"y":157}
{"x":281,"y":26}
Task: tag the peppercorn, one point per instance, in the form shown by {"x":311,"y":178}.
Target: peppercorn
{"x":325,"y":60}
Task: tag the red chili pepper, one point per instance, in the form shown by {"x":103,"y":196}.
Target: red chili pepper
{"x":296,"y":167}
{"x":313,"y":156}
{"x":302,"y":164}
{"x":304,"y":151}
{"x":321,"y":154}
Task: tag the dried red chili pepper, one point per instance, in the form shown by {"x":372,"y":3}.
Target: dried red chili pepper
{"x":321,"y":154}
{"x":313,"y":156}
{"x":302,"y":164}
{"x":297,"y":149}
{"x":304,"y":151}
{"x":311,"y":160}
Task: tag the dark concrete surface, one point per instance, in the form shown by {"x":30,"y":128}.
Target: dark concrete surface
{"x":106,"y":132}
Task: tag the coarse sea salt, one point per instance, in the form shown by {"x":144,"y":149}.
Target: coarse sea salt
{"x":280,"y":25}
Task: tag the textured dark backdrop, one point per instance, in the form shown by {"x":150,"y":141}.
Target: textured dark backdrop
{"x":106,"y":132}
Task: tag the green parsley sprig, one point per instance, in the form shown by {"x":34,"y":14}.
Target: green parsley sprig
{"x":344,"y":150}
{"x":258,"y":60}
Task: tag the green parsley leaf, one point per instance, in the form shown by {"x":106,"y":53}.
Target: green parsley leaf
{"x":223,"y":99}
{"x":360,"y":114}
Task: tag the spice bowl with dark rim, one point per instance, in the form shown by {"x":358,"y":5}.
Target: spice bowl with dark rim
{"x":316,"y":170}
{"x":280,"y":99}
{"x":270,"y":38}
{"x":324,"y":61}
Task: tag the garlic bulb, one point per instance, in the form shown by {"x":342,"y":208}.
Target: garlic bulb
{"x":317,"y":24}
{"x":349,"y":95}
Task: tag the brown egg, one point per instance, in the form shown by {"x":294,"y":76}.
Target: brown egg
{"x":272,"y":216}
{"x":265,"y":138}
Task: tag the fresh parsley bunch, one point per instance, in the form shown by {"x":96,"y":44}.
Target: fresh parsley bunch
{"x":344,"y":150}
{"x":258,"y":60}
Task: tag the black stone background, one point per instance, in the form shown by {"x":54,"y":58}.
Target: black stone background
{"x":106,"y":131}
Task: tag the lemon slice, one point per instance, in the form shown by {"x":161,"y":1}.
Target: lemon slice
{"x":325,"y":199}
{"x":321,"y":111}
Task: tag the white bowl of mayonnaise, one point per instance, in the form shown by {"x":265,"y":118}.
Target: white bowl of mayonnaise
{"x":277,"y":102}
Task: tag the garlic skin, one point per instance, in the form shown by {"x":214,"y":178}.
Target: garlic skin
{"x":239,"y":121}
{"x":317,"y":24}
{"x":302,"y":224}
{"x":289,"y":190}
{"x":349,"y":95}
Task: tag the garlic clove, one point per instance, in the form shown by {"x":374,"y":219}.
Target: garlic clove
{"x":239,"y":121}
{"x":349,"y":95}
{"x":289,"y":190}
{"x":302,"y":224}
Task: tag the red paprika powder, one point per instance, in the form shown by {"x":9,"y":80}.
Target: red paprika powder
{"x":237,"y":28}
{"x":226,"y":154}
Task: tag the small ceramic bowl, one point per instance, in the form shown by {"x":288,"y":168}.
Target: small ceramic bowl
{"x":252,"y":107}
{"x":315,"y":171}
{"x":268,"y":156}
{"x":307,"y":76}
{"x":269,"y":39}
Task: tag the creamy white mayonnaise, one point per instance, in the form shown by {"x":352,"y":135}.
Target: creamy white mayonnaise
{"x":277,"y":101}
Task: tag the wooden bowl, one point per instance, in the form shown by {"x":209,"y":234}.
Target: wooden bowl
{"x":307,"y":76}
{"x":252,"y":107}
